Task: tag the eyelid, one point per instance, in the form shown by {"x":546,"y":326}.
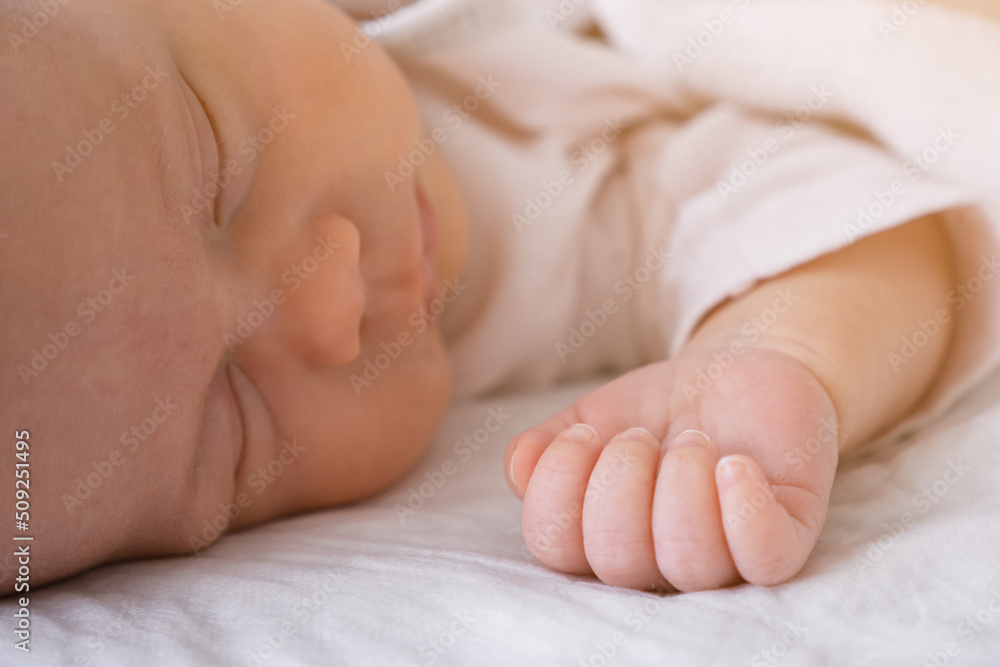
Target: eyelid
{"x":241,"y":411}
{"x":223,"y":156}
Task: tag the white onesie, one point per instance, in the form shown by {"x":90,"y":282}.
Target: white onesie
{"x":611,"y":206}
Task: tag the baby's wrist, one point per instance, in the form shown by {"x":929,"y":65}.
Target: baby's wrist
{"x":728,"y":346}
{"x":851,"y":308}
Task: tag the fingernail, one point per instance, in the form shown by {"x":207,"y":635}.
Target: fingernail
{"x":691,"y":438}
{"x":639,"y":434}
{"x":733,"y":469}
{"x":581,"y":433}
{"x":513,"y":480}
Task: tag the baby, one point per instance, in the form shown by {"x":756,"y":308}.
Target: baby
{"x":202,"y":254}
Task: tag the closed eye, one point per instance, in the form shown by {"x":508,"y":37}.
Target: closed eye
{"x":211,"y":188}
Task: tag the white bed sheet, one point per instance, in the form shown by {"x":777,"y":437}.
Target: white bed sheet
{"x":452,"y":583}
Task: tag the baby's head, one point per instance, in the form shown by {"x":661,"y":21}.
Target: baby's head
{"x":212,"y":295}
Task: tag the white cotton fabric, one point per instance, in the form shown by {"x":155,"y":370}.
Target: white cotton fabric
{"x":742,"y":139}
{"x":905,"y":569}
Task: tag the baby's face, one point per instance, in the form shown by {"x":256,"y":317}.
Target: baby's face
{"x":227,"y":295}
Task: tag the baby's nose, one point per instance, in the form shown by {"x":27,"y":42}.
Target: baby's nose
{"x":320,"y":297}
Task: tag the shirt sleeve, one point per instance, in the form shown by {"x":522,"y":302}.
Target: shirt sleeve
{"x":781,"y":192}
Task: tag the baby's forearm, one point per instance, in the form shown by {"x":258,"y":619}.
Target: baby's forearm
{"x":847,"y":317}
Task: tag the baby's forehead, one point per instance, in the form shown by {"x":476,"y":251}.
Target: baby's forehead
{"x":94,"y":83}
{"x":87,"y":55}
{"x":85,"y":122}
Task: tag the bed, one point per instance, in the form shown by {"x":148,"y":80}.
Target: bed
{"x":435,"y":572}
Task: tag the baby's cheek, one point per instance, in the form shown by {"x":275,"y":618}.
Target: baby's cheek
{"x":272,"y":488}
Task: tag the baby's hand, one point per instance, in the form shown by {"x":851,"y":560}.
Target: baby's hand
{"x":625,"y":483}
